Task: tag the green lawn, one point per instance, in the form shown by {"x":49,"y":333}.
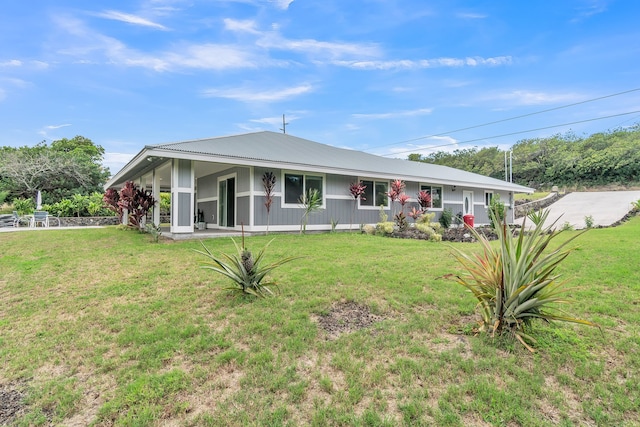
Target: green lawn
{"x":103,"y":327}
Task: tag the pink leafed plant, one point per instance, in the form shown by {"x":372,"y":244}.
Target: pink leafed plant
{"x":414,"y":213}
{"x":424,"y":199}
{"x":403,"y":199}
{"x":357,"y":192}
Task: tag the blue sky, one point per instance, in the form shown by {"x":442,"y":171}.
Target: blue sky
{"x":372,"y":75}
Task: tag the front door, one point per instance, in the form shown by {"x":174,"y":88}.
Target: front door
{"x":227,"y":202}
{"x":467,"y":203}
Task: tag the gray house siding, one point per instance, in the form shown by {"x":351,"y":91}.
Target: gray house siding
{"x":453,"y":201}
{"x":339,"y":205}
{"x":207,"y":195}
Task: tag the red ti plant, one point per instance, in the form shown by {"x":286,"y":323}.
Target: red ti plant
{"x":110,"y":199}
{"x":357,"y":192}
{"x":397,"y":189}
{"x":403,"y":199}
{"x":269,"y":184}
{"x":415,"y":213}
{"x":424,"y":199}
{"x":137,"y":202}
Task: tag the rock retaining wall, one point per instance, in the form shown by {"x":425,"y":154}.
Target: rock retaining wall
{"x":523,"y":209}
{"x":85,"y":221}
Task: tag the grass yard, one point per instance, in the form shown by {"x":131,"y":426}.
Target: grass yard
{"x":102,"y":327}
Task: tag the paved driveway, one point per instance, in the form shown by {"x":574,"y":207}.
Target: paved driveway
{"x":606,"y":207}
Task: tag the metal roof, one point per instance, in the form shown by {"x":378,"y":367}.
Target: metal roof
{"x":289,"y":152}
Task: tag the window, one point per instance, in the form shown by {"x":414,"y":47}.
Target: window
{"x":435,"y":193}
{"x":375,"y":194}
{"x":488,"y":196}
{"x":296,"y":184}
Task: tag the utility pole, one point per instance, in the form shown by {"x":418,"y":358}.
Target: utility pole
{"x":510,"y":166}
{"x":505,"y":166}
{"x":284,"y":125}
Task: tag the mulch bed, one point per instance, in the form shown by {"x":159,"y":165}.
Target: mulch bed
{"x":457,"y":234}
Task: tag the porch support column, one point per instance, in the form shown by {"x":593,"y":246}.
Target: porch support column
{"x":155,"y":192}
{"x":182,"y":196}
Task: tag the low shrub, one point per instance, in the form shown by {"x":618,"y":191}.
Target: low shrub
{"x":385,"y":228}
{"x":368,"y":229}
{"x":446,"y":218}
{"x":589,"y":221}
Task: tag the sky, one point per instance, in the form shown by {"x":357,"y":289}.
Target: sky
{"x":382,"y":76}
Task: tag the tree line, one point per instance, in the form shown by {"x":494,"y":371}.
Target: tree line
{"x":65,"y":168}
{"x":611,"y":157}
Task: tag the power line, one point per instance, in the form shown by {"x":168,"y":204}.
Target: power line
{"x":513,"y":133}
{"x":510,"y":118}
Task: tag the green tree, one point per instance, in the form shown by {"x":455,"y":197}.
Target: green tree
{"x":611,"y":157}
{"x":67,"y":167}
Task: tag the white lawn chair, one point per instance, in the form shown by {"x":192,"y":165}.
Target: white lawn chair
{"x":17,"y":219}
{"x":40,"y":217}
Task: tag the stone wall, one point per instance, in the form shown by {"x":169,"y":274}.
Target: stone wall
{"x":523,"y":209}
{"x":84,"y":221}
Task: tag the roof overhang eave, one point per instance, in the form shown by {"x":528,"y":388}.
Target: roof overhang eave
{"x":133,"y":170}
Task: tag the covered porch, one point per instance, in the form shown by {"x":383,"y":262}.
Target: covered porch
{"x":210,"y":211}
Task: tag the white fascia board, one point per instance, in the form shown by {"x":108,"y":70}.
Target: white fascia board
{"x":159,"y":152}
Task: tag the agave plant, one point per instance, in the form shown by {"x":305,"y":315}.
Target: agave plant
{"x":514,"y":282}
{"x":247,"y":273}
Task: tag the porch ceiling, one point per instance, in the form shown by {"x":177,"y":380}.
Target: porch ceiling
{"x":164,"y":172}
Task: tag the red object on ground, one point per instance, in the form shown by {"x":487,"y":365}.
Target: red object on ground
{"x":468,"y":220}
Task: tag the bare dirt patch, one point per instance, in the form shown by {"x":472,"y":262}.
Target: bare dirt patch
{"x":346,"y":317}
{"x":11,"y":402}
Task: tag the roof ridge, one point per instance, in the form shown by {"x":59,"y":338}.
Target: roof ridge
{"x":186,"y":141}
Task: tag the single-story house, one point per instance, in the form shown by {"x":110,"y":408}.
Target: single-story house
{"x":217,"y":183}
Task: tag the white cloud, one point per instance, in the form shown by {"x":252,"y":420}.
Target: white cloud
{"x":248,"y":26}
{"x":471,"y":15}
{"x":523,"y":97}
{"x":282,"y":4}
{"x":11,"y":63}
{"x":591,"y":8}
{"x":430,"y":145}
{"x":57,"y":126}
{"x":45,"y":130}
{"x":40,"y":64}
{"x":316,"y":47}
{"x":213,"y":57}
{"x":199,"y":56}
{"x":16,"y":82}
{"x":394,"y":114}
{"x":116,"y":161}
{"x":251,"y":95}
{"x":276,"y":121}
{"x":425,"y":63}
{"x":130,"y":19}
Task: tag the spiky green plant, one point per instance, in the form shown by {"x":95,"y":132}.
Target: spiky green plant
{"x":247,"y":273}
{"x":311,"y":202}
{"x":536,"y":216}
{"x":514,"y":281}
